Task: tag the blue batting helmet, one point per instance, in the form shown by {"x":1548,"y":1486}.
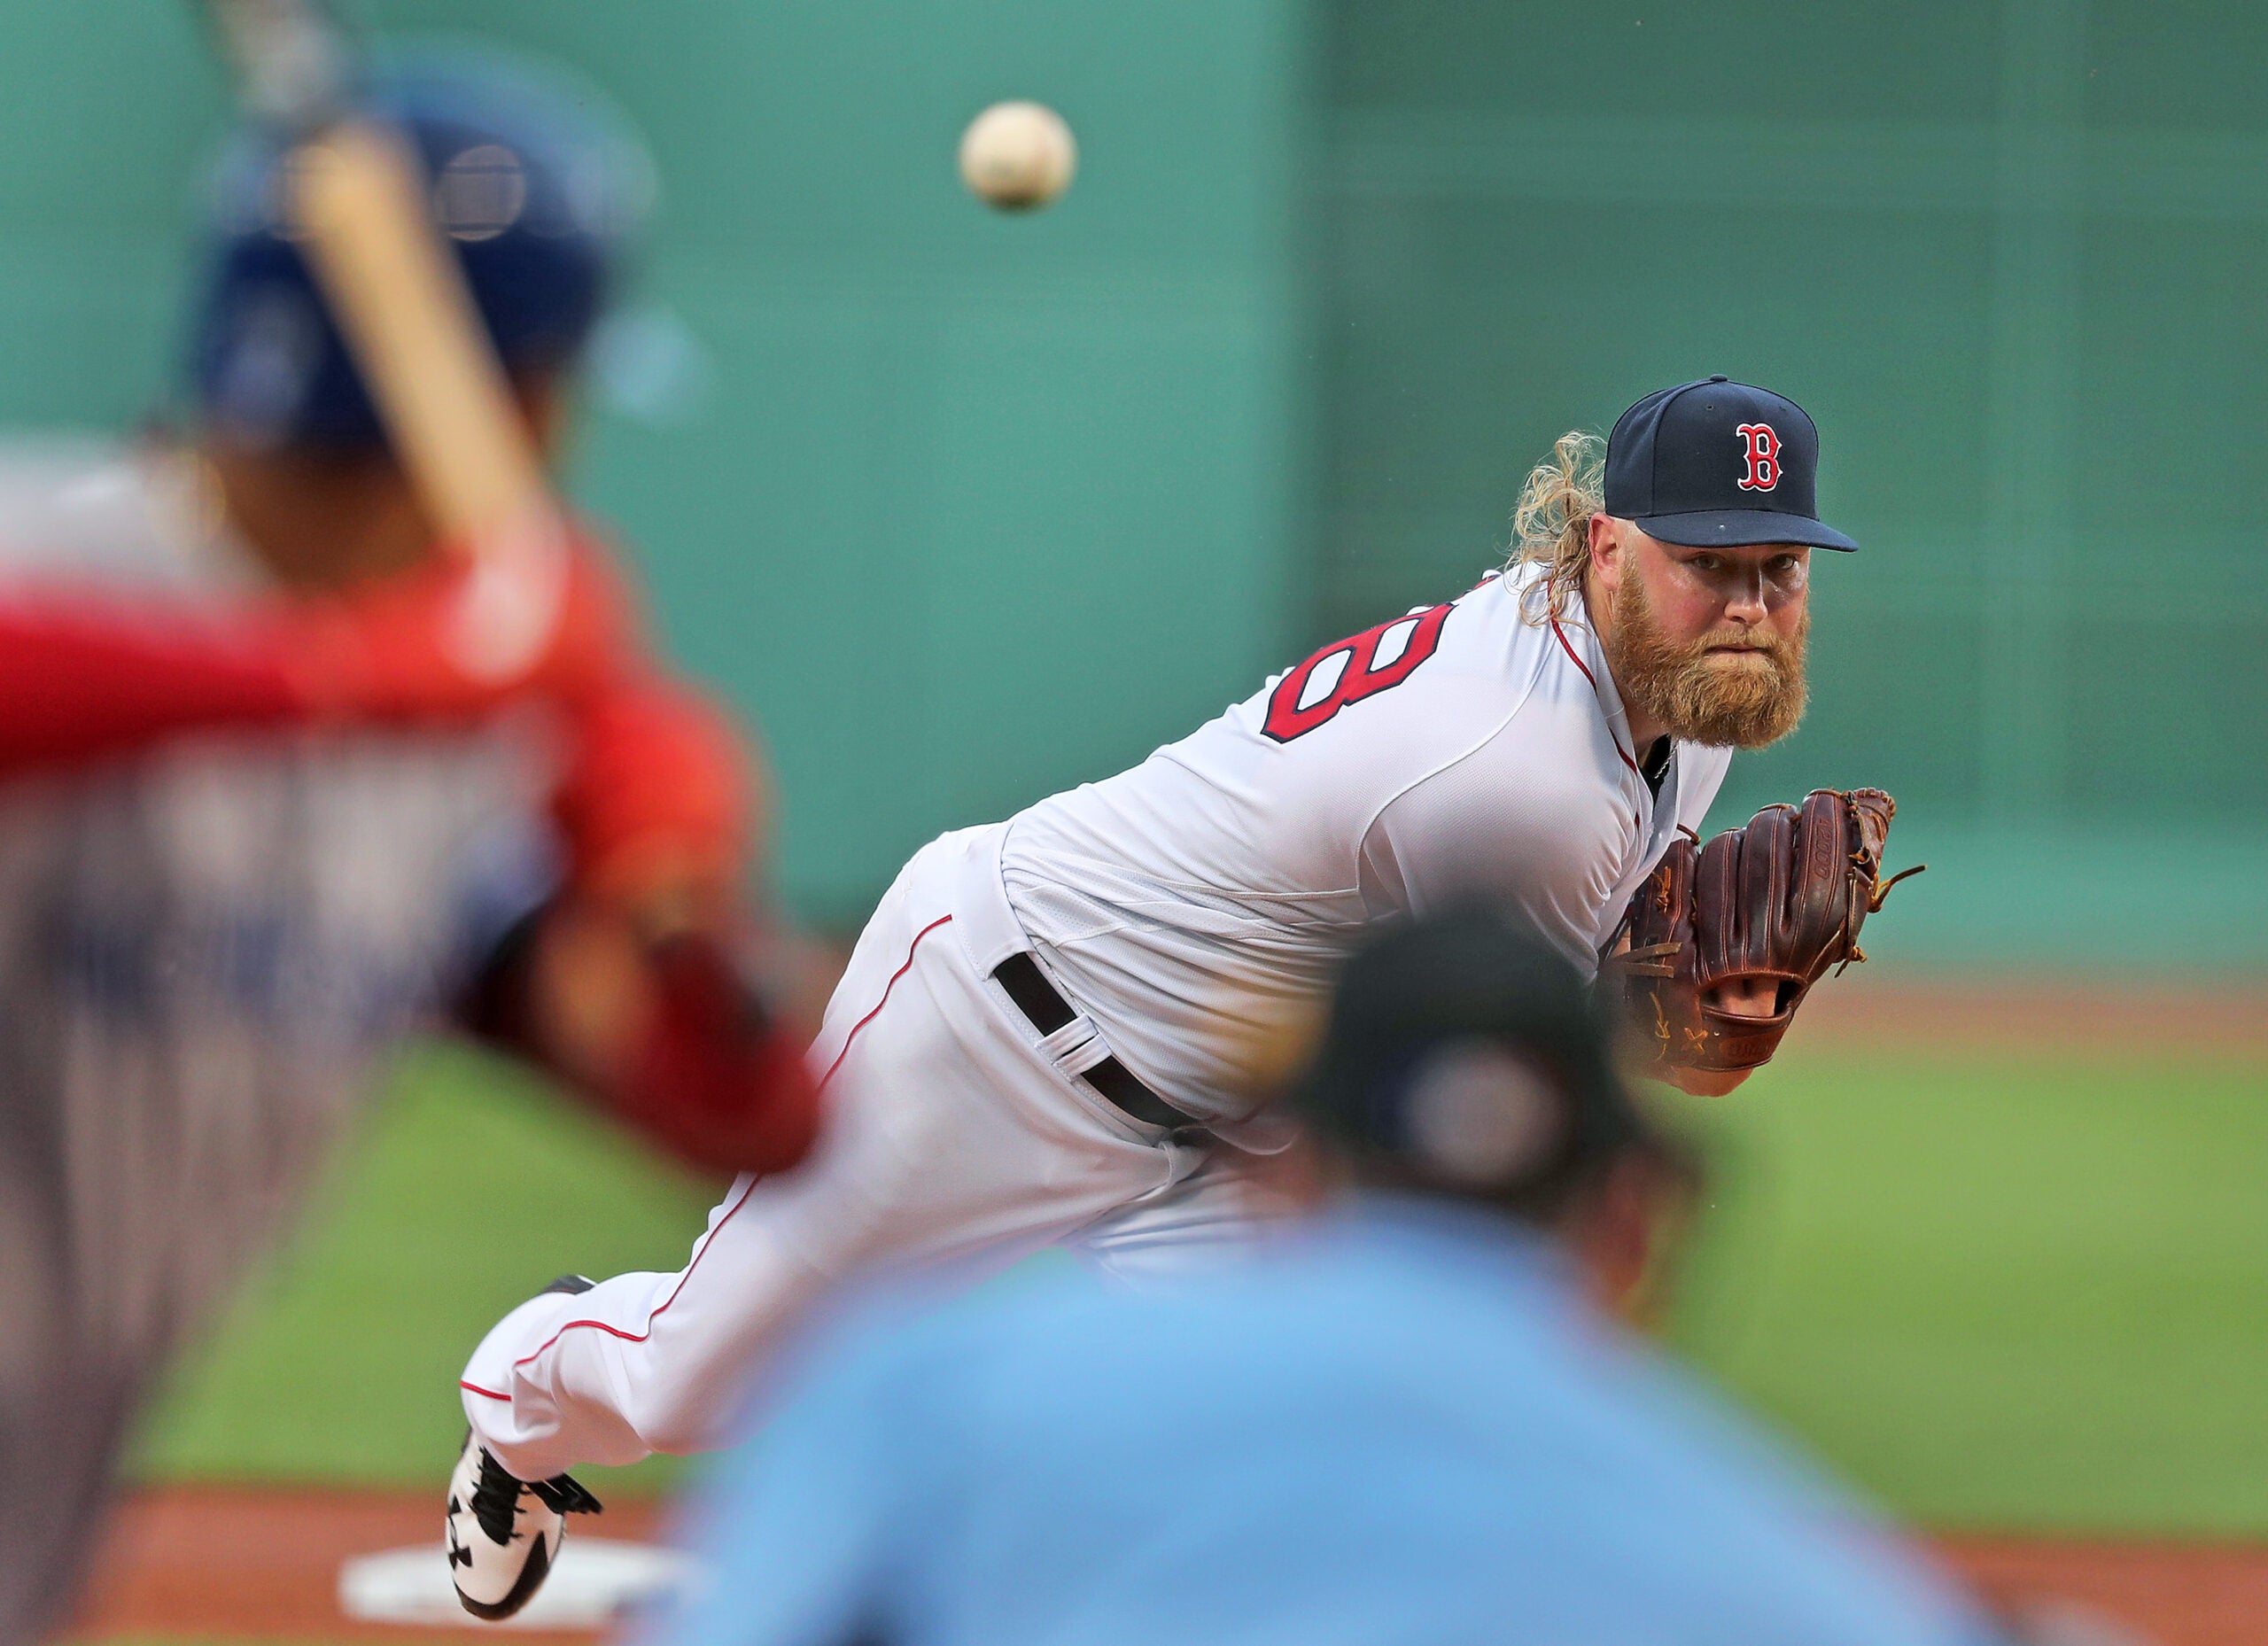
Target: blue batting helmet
{"x":537,"y":189}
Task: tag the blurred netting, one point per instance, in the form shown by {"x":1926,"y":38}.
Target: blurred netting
{"x":2006,"y":256}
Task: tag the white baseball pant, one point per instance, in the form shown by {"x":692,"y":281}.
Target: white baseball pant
{"x":954,"y":1133}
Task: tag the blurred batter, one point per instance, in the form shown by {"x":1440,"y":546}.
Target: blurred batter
{"x":207,"y":945}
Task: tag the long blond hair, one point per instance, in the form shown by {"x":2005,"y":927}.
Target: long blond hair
{"x":1552,"y":523}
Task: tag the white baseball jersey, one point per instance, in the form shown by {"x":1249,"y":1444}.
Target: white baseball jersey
{"x":203,"y":950}
{"x":1184,"y":909}
{"x":1478,"y":748}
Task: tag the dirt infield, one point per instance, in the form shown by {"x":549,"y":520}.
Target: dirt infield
{"x":242,"y":1563}
{"x":2171,"y":1594}
{"x":256,"y":1563}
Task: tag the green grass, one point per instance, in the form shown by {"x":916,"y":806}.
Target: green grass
{"x":1998,"y":1291}
{"x":468,"y":1191}
{"x":2002,"y":1291}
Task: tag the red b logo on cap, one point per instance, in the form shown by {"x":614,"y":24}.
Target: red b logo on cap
{"x":1763,"y":457}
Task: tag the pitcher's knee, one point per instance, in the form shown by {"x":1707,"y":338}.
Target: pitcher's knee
{"x":687,"y":1415}
{"x":682,"y":1392}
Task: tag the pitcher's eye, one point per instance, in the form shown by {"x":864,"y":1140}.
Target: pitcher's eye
{"x":1706,"y":562}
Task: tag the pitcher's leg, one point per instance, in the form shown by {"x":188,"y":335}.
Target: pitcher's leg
{"x":945,"y":1135}
{"x":1215,"y":1214}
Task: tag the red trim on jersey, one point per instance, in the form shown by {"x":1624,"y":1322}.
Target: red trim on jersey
{"x":850,"y":1039}
{"x":710,"y":1238}
{"x":1621,"y":753}
{"x":617,"y":1331}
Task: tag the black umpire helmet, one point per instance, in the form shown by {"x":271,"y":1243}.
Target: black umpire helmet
{"x":1463,"y":1055}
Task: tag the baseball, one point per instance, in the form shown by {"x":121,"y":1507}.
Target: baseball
{"x":1017,"y":155}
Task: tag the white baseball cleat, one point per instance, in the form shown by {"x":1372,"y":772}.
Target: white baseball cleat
{"x":504,"y":1533}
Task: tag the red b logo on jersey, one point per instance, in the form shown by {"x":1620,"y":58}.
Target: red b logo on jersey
{"x":1763,"y":457}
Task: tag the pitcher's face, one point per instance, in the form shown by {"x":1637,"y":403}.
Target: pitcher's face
{"x":1709,"y":640}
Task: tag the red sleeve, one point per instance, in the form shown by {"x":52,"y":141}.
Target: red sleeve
{"x":659,"y":788}
{"x":84,"y":679}
{"x":84,"y":675}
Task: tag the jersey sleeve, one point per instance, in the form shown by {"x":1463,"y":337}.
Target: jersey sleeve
{"x":1473,"y":832}
{"x":89,"y":672}
{"x":84,"y":678}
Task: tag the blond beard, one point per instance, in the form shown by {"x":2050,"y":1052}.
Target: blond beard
{"x":1743,"y":701}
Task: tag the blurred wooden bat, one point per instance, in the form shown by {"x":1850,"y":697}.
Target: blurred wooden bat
{"x":359,"y":198}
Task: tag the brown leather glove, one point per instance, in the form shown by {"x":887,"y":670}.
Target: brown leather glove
{"x":1780,"y":901}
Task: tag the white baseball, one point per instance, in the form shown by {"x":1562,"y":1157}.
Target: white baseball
{"x":1017,"y":156}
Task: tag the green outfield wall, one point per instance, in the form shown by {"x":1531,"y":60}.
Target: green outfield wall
{"x":966,"y":507}
{"x":962,"y":508}
{"x":2008,"y":255}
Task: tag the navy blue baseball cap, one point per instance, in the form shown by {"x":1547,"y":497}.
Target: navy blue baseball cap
{"x":1716,"y":464}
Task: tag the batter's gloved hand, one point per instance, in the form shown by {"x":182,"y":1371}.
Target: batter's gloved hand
{"x":662,"y":807}
{"x":1771,"y":906}
{"x":715,"y":1077}
{"x":636,"y":983}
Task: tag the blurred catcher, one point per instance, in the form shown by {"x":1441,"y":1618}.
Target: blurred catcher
{"x":1041,"y":1032}
{"x":1406,"y":1417}
{"x":260,"y":816}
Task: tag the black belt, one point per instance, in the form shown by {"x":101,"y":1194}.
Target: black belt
{"x":1038,"y":1000}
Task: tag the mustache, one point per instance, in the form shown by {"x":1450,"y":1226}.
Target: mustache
{"x":1776,"y":647}
{"x":1704,"y":699}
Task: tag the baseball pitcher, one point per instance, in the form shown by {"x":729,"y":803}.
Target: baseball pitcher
{"x":1041,"y":1032}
